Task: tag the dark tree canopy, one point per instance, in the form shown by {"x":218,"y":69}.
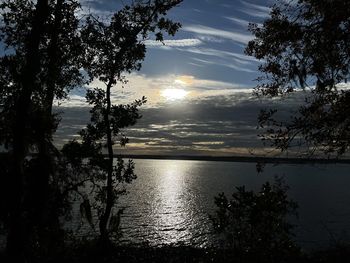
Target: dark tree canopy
{"x":305,"y":46}
{"x":113,"y":49}
{"x":55,"y":66}
{"x":48,"y":49}
{"x":257,"y":223}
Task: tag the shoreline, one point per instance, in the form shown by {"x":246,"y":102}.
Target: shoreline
{"x":237,"y":159}
{"x":243,"y":159}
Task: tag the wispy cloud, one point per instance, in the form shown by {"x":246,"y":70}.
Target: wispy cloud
{"x":261,"y":8}
{"x":142,"y":85}
{"x":195,"y":64}
{"x":94,"y":7}
{"x":222,"y":125}
{"x":216,"y":85}
{"x":210,"y":31}
{"x":241,"y":22}
{"x":255,"y":10}
{"x":174,"y":43}
{"x":238,"y":21}
{"x":237,"y":57}
{"x":224,"y":64}
{"x":236,"y":67}
{"x":211,"y":39}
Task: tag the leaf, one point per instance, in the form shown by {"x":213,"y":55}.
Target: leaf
{"x":85,"y":211}
{"x":114,"y":221}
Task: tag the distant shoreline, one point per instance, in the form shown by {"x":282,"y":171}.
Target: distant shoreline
{"x":236,"y":159}
{"x":243,"y":159}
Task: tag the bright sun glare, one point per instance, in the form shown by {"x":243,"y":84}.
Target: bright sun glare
{"x":174,"y":94}
{"x":177,"y":92}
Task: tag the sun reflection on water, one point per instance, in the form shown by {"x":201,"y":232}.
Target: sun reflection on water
{"x":173,"y":209}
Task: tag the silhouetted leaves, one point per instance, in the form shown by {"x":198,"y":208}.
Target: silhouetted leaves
{"x":257,"y":223}
{"x":85,"y":211}
{"x":112,"y":49}
{"x":305,"y":45}
{"x":48,"y":51}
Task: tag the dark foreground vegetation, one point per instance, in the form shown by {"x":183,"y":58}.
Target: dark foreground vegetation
{"x":252,"y":227}
{"x":49,"y":48}
{"x":93,"y":252}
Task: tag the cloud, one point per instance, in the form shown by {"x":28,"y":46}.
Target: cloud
{"x":237,"y":68}
{"x":241,"y":22}
{"x":220,"y":125}
{"x":96,"y":8}
{"x":236,"y":61}
{"x":224,"y":64}
{"x":151,"y":86}
{"x":210,"y":31}
{"x":239,"y":58}
{"x":233,"y":60}
{"x":210,"y":39}
{"x":195,"y":64}
{"x":255,"y":10}
{"x":174,"y":43}
{"x":256,"y":7}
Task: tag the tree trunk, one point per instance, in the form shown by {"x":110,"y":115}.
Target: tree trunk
{"x":46,"y":120}
{"x":17,"y":241}
{"x":110,"y":198}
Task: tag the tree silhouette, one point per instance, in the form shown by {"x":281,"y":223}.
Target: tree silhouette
{"x":41,"y":61}
{"x":26,"y":87}
{"x":46,"y":48}
{"x":255,"y":224}
{"x":106,"y":181}
{"x":113,"y":49}
{"x":305,"y":46}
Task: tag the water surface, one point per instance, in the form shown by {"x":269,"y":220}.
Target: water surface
{"x":170,"y":201}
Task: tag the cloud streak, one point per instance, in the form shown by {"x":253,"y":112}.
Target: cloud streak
{"x":239,"y":58}
{"x":191,"y":42}
{"x":255,"y":10}
{"x":221,"y":125}
{"x":142,"y":85}
{"x":241,"y":22}
{"x":210,"y":31}
{"x":223,"y":64}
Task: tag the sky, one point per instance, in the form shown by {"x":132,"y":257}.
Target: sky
{"x":198,"y":84}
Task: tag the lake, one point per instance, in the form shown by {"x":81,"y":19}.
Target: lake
{"x":170,"y":201}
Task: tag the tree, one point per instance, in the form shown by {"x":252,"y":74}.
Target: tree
{"x":41,"y":61}
{"x":305,"y":46}
{"x":113,"y":49}
{"x":255,"y":224}
{"x":104,"y":182}
{"x":26,"y":84}
{"x":46,"y":46}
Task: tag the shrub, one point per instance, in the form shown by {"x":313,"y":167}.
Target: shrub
{"x":255,"y":224}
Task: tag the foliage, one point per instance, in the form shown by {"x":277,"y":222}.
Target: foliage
{"x":113,"y":49}
{"x":41,"y":60}
{"x":305,"y":45}
{"x":118,"y":47}
{"x":48,"y":50}
{"x":87,"y":161}
{"x":256,"y":223}
{"x":58,"y":62}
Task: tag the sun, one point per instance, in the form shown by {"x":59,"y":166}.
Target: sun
{"x":174,"y":94}
{"x":177,"y":89}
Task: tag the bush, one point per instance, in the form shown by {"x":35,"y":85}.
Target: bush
{"x":255,"y":224}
